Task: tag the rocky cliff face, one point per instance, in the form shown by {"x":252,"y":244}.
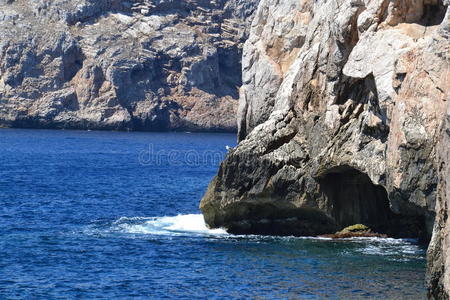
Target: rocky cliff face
{"x":439,"y":248}
{"x":111,"y":64}
{"x":340,"y":112}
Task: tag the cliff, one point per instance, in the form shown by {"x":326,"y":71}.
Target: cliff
{"x":123,"y":65}
{"x":439,"y":248}
{"x":340,"y":114}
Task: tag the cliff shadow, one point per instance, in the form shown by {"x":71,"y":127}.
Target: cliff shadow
{"x":355,"y":199}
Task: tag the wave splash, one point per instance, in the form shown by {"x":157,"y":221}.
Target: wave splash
{"x":192,"y":224}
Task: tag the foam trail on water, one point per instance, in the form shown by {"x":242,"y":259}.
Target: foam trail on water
{"x":192,"y":224}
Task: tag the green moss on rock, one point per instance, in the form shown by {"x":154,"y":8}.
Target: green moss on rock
{"x":356,"y":228}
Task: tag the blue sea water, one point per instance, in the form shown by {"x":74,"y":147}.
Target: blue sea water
{"x":114,"y":215}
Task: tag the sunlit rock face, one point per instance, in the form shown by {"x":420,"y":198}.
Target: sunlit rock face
{"x":111,"y":64}
{"x":340,"y":112}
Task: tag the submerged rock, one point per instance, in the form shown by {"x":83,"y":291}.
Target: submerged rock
{"x":339,"y":116}
{"x":357,"y":230}
{"x":112,"y":64}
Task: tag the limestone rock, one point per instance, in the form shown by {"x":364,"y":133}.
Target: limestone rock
{"x":339,"y":117}
{"x":439,"y":248}
{"x":112,"y":64}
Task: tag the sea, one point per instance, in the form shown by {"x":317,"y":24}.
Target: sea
{"x":114,"y":215}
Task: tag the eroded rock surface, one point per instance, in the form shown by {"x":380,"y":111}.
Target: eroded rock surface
{"x":340,"y":114}
{"x":439,"y":248}
{"x":111,"y":64}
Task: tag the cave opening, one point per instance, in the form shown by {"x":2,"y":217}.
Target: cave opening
{"x":354,"y":199}
{"x":72,"y":62}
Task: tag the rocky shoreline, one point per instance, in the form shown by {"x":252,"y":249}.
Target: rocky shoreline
{"x":342,"y":121}
{"x":146,"y":65}
{"x":342,"y":106}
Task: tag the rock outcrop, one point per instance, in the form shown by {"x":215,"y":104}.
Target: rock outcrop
{"x":439,"y":248}
{"x":340,"y":113}
{"x":112,"y":64}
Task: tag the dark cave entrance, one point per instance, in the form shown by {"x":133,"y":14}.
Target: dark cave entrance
{"x":354,"y":199}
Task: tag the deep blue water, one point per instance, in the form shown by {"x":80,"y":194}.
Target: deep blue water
{"x":115,"y":215}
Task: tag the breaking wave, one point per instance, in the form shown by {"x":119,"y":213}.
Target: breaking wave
{"x":192,"y":225}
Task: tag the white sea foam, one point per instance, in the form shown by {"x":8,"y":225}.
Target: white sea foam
{"x":192,"y":224}
{"x":405,"y":248}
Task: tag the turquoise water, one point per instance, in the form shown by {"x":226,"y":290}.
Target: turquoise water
{"x":114,"y":215}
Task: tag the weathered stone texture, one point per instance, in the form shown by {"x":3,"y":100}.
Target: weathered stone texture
{"x":110,"y":64}
{"x":340,"y":114}
{"x":439,"y":248}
